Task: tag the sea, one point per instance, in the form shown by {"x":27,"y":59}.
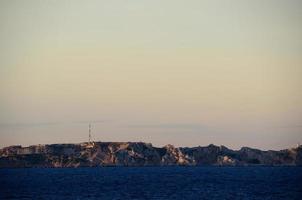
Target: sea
{"x":232,"y":183}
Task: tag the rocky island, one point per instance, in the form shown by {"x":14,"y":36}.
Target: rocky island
{"x":92,"y":154}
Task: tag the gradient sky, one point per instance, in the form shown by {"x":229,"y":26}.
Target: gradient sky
{"x":187,"y":73}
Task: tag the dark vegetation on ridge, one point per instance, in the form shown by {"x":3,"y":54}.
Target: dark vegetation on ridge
{"x":141,"y":154}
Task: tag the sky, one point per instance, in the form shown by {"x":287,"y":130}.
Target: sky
{"x":186,"y":73}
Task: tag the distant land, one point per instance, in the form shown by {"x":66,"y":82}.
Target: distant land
{"x":93,"y":154}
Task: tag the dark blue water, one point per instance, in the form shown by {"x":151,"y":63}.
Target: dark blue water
{"x":153,"y":183}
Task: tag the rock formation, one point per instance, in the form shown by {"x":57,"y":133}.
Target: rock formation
{"x":141,"y":154}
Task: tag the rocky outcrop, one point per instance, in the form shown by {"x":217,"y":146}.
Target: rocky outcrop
{"x":175,"y":156}
{"x":140,"y":154}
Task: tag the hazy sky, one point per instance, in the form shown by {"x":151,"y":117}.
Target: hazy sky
{"x":182,"y":72}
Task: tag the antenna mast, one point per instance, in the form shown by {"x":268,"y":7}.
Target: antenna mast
{"x":89,"y":133}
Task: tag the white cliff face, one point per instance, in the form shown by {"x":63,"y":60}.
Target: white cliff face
{"x":174,"y":156}
{"x":225,"y":160}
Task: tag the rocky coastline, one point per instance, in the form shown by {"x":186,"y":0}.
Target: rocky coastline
{"x":95,"y":154}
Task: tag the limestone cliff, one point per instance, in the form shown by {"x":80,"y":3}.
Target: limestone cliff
{"x":140,"y":154}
